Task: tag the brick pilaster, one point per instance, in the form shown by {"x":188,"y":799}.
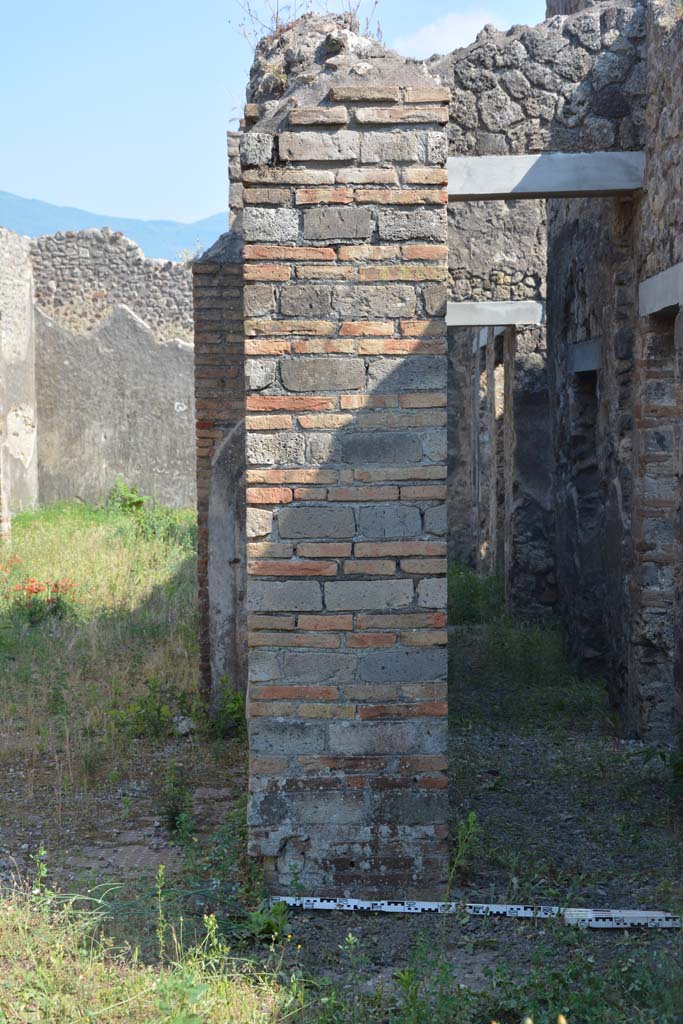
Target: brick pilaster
{"x":219,"y":396}
{"x":345,"y":271}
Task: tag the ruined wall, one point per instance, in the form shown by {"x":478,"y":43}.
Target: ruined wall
{"x":114,"y":369}
{"x":220,"y":405}
{"x":657,"y":616}
{"x":618,"y":499}
{"x":345,"y":268}
{"x":113,"y":402}
{"x":81,"y":277}
{"x":592,"y":298}
{"x":18,"y":457}
{"x":570,"y":84}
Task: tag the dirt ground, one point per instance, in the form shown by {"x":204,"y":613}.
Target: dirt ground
{"x":566,"y":813}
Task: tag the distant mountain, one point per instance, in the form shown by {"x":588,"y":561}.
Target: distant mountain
{"x":164,"y":239}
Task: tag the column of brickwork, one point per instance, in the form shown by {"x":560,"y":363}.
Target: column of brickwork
{"x":529,"y":532}
{"x":655,"y":502}
{"x":219,"y":399}
{"x":345,"y":264}
{"x":678,"y":534}
{"x":462,"y":547}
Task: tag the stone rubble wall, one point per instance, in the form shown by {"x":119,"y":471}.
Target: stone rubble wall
{"x":82,"y":276}
{"x":655,"y":671}
{"x":345,"y":268}
{"x":103,"y":385}
{"x":338,"y":195}
{"x":617,"y":485}
{"x":662,"y":212}
{"x":18,"y":420}
{"x":592,"y":296}
{"x":572,"y":83}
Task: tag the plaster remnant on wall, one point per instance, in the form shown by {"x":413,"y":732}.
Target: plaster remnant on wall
{"x":21,"y":434}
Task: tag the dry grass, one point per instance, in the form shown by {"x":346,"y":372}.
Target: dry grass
{"x":54,"y":968}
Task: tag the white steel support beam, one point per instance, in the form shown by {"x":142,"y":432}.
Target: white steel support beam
{"x":584,"y":356}
{"x":545,"y":175}
{"x":662,"y":292}
{"x":494,"y":314}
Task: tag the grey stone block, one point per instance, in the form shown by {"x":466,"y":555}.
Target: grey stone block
{"x":259,"y":373}
{"x":435,"y":296}
{"x":256,"y":149}
{"x":410,"y":373}
{"x":413,"y":808}
{"x":435,"y":444}
{"x":286,"y":738}
{"x":316,"y":522}
{"x":323,"y":373}
{"x":259,"y":300}
{"x":436,"y":520}
{"x":405,"y":225}
{"x":404,"y":666}
{"x":308,"y":146}
{"x":306,"y":300}
{"x":275,"y":449}
{"x":386,"y":448}
{"x":321,"y":448}
{"x":369,"y":302}
{"x":332,"y":222}
{"x":353,"y":738}
{"x":389,"y":147}
{"x":259,"y":522}
{"x":437,"y":148}
{"x":432,"y":593}
{"x":328,"y":808}
{"x":384,"y":595}
{"x":270,"y":225}
{"x":289,"y":596}
{"x":263,"y":667}
{"x":389,"y":522}
{"x":319,"y":667}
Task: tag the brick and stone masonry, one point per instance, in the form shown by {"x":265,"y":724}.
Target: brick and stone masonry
{"x":339,"y":197}
{"x":220,"y":404}
{"x":345,"y":263}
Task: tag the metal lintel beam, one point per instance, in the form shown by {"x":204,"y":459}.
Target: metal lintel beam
{"x":545,"y":175}
{"x":662,"y":292}
{"x":494,"y":314}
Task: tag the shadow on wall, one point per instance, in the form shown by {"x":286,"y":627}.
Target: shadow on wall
{"x":114,"y":402}
{"x":227,"y":568}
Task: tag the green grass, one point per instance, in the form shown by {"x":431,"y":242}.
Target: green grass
{"x":55,"y":965}
{"x":97,"y":605}
{"x":473,"y":598}
{"x":114,"y":659}
{"x":522,"y":668}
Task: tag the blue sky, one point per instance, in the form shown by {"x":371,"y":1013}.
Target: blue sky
{"x":122,"y":107}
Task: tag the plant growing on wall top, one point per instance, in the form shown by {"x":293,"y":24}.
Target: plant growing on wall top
{"x":271,"y":17}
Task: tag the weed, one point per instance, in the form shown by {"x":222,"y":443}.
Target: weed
{"x":264,"y":924}
{"x":149,"y":716}
{"x":428,"y":992}
{"x":228,"y":718}
{"x":176,"y":802}
{"x":673,"y":759}
{"x":126,"y":499}
{"x":473,"y":598}
{"x":465,"y":838}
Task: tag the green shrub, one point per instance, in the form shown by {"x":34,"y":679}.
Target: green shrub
{"x":472,"y":598}
{"x":176,"y":801}
{"x":149,"y":716}
{"x":228,"y":718}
